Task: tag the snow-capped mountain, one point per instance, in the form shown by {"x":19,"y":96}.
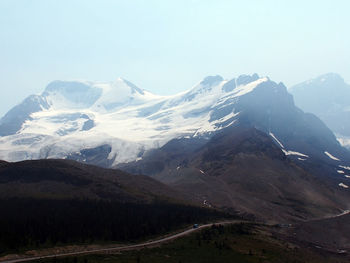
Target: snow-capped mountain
{"x":241,"y":144}
{"x":71,"y":116}
{"x":327,"y":96}
{"x":111,"y":123}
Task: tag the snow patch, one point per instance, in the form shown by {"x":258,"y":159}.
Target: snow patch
{"x":340,"y":172}
{"x":294,"y":153}
{"x":344,"y":141}
{"x":343,"y":185}
{"x":345,"y":167}
{"x":201,"y":171}
{"x":244,"y":89}
{"x":274,"y":137}
{"x":331,"y":156}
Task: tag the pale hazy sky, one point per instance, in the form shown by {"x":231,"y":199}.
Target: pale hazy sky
{"x":166,"y":46}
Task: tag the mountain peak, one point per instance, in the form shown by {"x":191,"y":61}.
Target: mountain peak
{"x":133,"y":87}
{"x":71,"y":94}
{"x":66,"y":86}
{"x":322,"y":81}
{"x":332,"y":78}
{"x":245,"y":79}
{"x":203,"y":87}
{"x":211,"y":80}
{"x":329,"y":83}
{"x":330,"y":75}
{"x":327,"y":96}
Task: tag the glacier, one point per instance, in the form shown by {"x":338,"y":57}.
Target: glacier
{"x":70,"y":116}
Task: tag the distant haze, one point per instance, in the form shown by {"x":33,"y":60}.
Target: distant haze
{"x":167,"y":46}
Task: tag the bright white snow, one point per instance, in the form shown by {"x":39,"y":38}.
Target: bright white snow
{"x":128,"y":119}
{"x":331,"y":156}
{"x":274,"y":137}
{"x":294,"y":153}
{"x":286,"y":152}
{"x":343,"y":185}
{"x":343,"y":140}
{"x":345,"y":167}
{"x":340,"y":172}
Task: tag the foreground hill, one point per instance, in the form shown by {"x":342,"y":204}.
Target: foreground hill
{"x":46,"y":203}
{"x":64,"y":179}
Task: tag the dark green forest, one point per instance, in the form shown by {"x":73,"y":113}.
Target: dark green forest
{"x":35,"y":223}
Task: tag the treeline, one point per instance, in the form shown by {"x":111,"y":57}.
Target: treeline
{"x":32,"y":223}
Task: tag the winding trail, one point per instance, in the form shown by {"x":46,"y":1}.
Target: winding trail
{"x":121,"y":247}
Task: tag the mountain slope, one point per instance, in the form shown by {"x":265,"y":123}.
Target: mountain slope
{"x":56,"y":203}
{"x":241,"y":168}
{"x":327,"y":96}
{"x":64,"y":179}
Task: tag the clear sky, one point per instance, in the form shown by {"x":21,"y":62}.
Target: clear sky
{"x":167,"y":46}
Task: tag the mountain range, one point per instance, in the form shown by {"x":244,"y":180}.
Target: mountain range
{"x":72,"y":116}
{"x":239,"y":144}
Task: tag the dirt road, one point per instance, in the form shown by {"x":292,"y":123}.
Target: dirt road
{"x":121,"y":248}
